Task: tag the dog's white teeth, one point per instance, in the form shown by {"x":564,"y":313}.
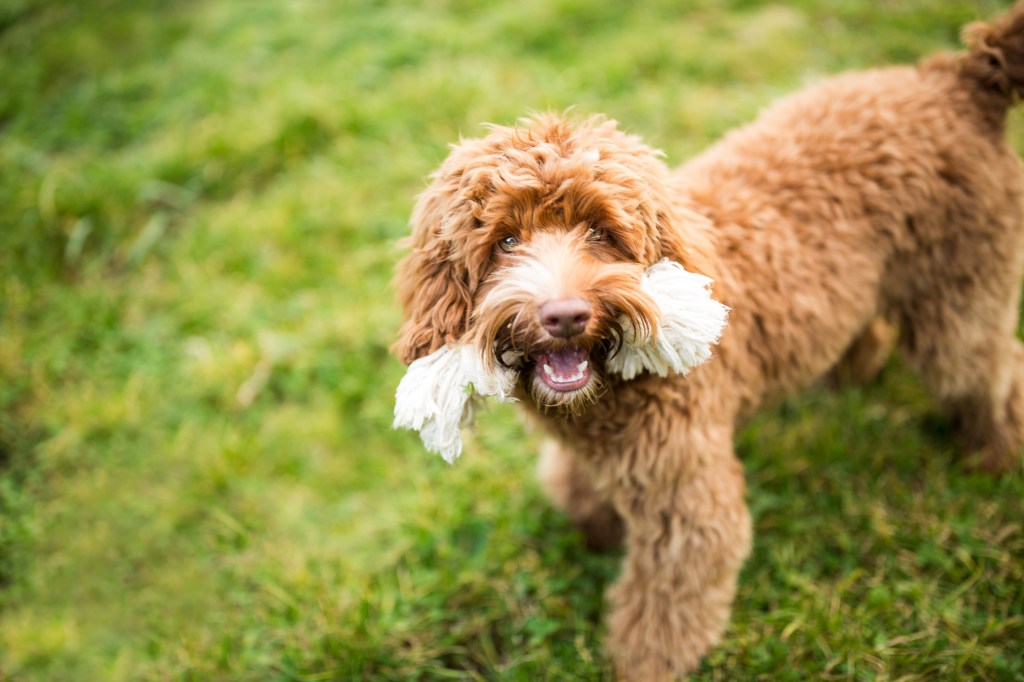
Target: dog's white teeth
{"x":550,"y":371}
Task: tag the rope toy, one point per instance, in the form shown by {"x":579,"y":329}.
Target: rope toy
{"x":440,"y":392}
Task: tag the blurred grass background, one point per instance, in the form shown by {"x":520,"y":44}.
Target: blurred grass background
{"x":199,"y":203}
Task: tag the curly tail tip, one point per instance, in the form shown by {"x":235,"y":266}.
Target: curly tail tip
{"x":995,"y":58}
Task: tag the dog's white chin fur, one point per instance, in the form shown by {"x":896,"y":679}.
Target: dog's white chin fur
{"x":439,"y":392}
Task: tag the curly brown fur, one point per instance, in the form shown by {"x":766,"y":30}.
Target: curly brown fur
{"x":883,"y":195}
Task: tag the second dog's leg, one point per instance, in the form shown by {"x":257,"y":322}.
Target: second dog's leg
{"x":687,"y":534}
{"x":571,"y":488}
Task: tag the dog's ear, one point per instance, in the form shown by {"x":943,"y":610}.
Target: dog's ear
{"x":433,"y":282}
{"x":686,"y":237}
{"x":672,"y":229}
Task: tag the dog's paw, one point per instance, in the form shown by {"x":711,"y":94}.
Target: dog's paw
{"x":658,"y":639}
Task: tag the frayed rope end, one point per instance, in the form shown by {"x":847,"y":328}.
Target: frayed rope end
{"x":691,"y":323}
{"x":440,"y":392}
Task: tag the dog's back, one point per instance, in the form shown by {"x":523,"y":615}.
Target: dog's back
{"x":874,"y":145}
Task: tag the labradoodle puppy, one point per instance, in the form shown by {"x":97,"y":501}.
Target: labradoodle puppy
{"x":566,"y":256}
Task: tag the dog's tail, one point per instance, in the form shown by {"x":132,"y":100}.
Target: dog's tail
{"x":994,"y":62}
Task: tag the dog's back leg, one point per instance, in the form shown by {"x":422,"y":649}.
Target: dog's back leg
{"x":962,"y":341}
{"x":866,"y":356}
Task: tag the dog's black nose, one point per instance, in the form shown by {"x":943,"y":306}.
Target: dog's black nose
{"x":566,"y":318}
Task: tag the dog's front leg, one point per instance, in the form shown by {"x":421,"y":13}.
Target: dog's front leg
{"x":687,"y":534}
{"x":569,"y":484}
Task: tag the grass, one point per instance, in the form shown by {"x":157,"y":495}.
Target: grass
{"x":199,"y":203}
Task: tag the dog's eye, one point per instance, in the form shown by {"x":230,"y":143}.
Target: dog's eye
{"x":597,"y":234}
{"x":508,"y":244}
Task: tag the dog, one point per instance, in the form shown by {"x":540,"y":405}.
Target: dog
{"x":875,"y":201}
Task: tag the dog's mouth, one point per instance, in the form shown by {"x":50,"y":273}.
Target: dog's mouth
{"x":564,"y":370}
{"x":558,"y":373}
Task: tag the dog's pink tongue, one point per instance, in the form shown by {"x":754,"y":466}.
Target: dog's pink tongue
{"x":566,"y":362}
{"x":564,"y":370}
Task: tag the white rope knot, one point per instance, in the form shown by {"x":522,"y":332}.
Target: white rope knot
{"x":439,"y":392}
{"x":690,"y":323}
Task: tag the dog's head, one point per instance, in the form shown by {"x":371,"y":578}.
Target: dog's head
{"x":532,"y":244}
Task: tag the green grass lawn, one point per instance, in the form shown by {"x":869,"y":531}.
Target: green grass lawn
{"x":199,"y":204}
